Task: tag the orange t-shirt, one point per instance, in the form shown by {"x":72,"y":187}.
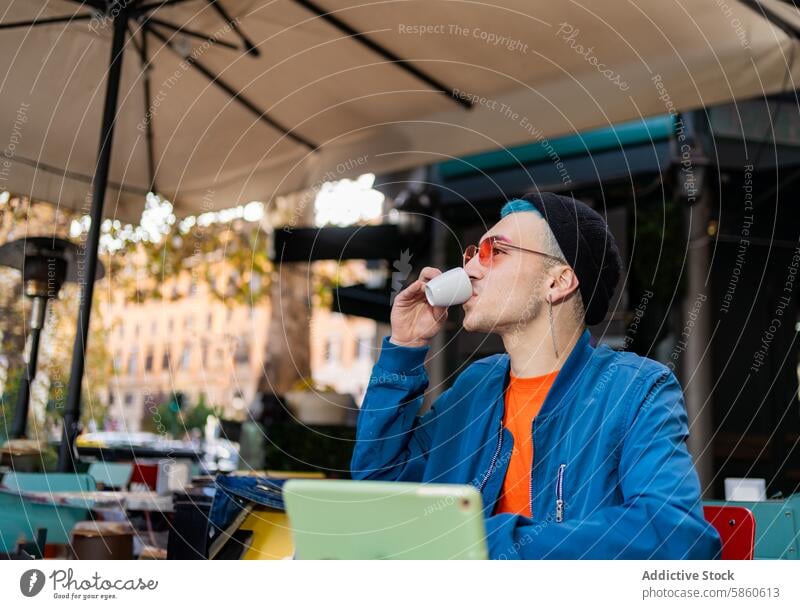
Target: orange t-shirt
{"x":524,"y":398}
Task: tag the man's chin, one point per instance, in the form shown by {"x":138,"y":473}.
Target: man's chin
{"x":466,"y":323}
{"x":475,"y":322}
{"x":472,"y":322}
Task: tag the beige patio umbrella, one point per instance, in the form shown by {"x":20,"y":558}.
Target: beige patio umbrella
{"x":366,"y":87}
{"x":214,"y":103}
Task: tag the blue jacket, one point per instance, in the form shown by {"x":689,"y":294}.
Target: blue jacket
{"x":611,"y":476}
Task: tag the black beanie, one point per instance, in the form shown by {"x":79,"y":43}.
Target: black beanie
{"x":588,"y":247}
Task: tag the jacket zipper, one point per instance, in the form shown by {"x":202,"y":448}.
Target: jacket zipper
{"x":530,"y":480}
{"x":560,"y":493}
{"x":494,"y":457}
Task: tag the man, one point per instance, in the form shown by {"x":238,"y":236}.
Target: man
{"x":578,"y":452}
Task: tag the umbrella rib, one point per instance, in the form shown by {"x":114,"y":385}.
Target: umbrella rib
{"x":158,"y":5}
{"x":148,"y":116}
{"x":131,"y":35}
{"x":232,"y":92}
{"x":45,"y":21}
{"x":401,"y":63}
{"x":99,"y":5}
{"x":758,"y":8}
{"x":193,"y":33}
{"x":248,"y":44}
{"x":63,"y":173}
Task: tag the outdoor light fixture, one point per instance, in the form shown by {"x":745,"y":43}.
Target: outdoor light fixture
{"x":46,"y":264}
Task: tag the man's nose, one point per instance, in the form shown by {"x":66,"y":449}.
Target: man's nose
{"x":474,"y":268}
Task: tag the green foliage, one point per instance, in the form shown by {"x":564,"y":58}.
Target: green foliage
{"x":8,"y":403}
{"x":230,"y":259}
{"x":175,"y":421}
{"x":20,"y":217}
{"x":196,"y":417}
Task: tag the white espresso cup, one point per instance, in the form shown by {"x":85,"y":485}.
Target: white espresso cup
{"x":452,"y":287}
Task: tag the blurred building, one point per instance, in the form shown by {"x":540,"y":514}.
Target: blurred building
{"x":191,"y":342}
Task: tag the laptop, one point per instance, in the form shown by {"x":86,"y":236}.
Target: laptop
{"x":348,"y":519}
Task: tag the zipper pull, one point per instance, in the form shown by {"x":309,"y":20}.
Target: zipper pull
{"x":560,"y":493}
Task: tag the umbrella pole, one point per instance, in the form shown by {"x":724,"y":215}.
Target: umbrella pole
{"x":72,"y":411}
{"x":24,"y":396}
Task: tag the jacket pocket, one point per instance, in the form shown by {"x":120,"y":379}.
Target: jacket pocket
{"x":560,"y":493}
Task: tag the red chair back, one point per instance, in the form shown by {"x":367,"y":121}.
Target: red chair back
{"x":145,"y":473}
{"x":737,"y":529}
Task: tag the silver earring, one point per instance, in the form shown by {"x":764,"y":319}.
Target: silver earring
{"x":552,"y":328}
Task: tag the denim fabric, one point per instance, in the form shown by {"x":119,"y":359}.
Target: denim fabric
{"x":233,"y":493}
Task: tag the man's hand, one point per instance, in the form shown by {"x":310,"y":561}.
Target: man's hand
{"x":414,"y":320}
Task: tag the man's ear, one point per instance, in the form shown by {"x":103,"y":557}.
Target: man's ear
{"x":563,"y":283}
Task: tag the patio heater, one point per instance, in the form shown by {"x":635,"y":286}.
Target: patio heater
{"x":46,"y":264}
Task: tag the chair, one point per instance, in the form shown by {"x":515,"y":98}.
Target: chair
{"x":737,"y":530}
{"x":144,"y":474}
{"x":22,"y":517}
{"x":49,"y":482}
{"x":777,"y":526}
{"x":111,"y":475}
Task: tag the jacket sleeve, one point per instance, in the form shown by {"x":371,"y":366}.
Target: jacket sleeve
{"x":661,"y":516}
{"x":392,"y":441}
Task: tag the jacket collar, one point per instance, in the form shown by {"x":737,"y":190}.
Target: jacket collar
{"x":565,"y":382}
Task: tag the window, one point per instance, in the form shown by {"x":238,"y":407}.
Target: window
{"x":210,"y":321}
{"x":186,"y":357}
{"x":165,"y":359}
{"x":332,"y":350}
{"x":129,"y":399}
{"x":148,"y":361}
{"x":117,"y":361}
{"x":133,"y":360}
{"x":242,"y":353}
{"x":363,"y":347}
